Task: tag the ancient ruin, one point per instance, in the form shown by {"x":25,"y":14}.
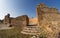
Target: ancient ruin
{"x":46,"y":24}
{"x":19,"y":21}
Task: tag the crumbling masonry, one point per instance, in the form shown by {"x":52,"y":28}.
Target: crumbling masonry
{"x":48,"y":18}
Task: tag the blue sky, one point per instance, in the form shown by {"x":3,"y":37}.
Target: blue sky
{"x":24,"y":7}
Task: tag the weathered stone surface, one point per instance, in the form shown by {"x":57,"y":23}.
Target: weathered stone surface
{"x":20,"y":20}
{"x":42,"y":9}
{"x":33,"y":21}
{"x":31,"y":30}
{"x":7,"y":19}
{"x":49,"y":21}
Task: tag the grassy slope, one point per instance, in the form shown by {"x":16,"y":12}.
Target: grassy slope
{"x":12,"y":33}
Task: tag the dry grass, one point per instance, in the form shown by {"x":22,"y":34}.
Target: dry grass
{"x":12,"y":33}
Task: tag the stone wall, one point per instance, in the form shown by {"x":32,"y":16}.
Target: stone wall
{"x":49,"y":19}
{"x":51,"y":22}
{"x":20,"y":20}
{"x":42,"y":9}
{"x":33,"y":21}
{"x":46,"y":9}
{"x":39,"y":14}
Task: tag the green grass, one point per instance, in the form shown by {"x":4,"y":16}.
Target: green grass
{"x":13,"y":33}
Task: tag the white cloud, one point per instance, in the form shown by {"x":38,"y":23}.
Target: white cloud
{"x":3,"y":8}
{"x":9,"y":6}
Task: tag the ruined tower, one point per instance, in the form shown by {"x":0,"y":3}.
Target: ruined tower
{"x":40,"y":12}
{"x":43,"y":9}
{"x":7,"y":19}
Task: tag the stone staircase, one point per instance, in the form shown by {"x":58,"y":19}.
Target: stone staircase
{"x":31,"y":30}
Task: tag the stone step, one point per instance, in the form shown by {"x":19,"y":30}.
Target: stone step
{"x":31,"y":30}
